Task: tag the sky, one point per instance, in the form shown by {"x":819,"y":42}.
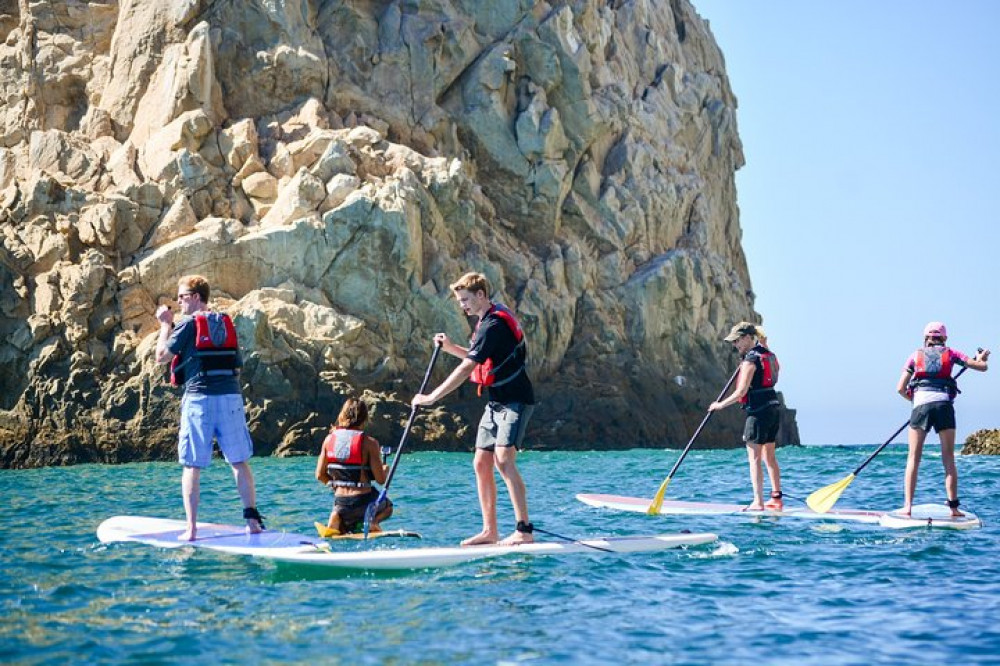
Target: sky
{"x":870,"y":197}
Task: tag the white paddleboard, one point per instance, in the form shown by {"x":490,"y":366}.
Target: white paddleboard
{"x":931,"y":515}
{"x":301,"y":549}
{"x":680,"y":508}
{"x":923,"y":515}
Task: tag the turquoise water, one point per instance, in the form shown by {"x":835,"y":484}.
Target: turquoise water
{"x":771,"y":591}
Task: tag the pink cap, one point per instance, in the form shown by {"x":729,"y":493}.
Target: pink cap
{"x":935,"y":328}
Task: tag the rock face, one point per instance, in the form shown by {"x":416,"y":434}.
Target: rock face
{"x":982,"y":443}
{"x":331,"y":167}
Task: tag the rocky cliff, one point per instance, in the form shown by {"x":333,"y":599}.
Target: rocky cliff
{"x":331,"y":166}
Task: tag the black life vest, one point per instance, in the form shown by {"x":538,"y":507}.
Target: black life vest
{"x":344,"y":459}
{"x":761,"y":392}
{"x":932,"y":368}
{"x":216,"y":349}
{"x":485,"y":373}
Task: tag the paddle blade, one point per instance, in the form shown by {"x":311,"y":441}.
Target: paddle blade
{"x":657,"y":503}
{"x":325,"y":531}
{"x":369,"y":517}
{"x":823,"y":499}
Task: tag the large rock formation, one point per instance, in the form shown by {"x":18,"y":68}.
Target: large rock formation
{"x":331,"y":167}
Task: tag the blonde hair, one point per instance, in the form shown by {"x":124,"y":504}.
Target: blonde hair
{"x":472,"y":282}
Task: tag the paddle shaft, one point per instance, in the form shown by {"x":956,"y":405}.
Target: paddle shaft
{"x":700,"y":427}
{"x":893,"y":436}
{"x":571,"y":540}
{"x":409,"y":425}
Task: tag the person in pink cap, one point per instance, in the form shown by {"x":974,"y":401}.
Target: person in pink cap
{"x":928,"y":383}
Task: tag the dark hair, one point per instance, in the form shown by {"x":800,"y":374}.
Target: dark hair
{"x":353,"y":415}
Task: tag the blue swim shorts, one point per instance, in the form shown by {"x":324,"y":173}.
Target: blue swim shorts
{"x":205,"y":418}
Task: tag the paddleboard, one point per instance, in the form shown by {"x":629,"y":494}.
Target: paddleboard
{"x":681,"y":508}
{"x":923,"y":515}
{"x":292,"y":548}
{"x":931,"y":515}
{"x":324,"y":532}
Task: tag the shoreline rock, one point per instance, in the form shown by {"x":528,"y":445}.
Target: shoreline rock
{"x":982,"y":443}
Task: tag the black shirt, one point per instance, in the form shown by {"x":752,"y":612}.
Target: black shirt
{"x":494,"y":340}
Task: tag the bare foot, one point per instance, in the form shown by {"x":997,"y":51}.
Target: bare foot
{"x":905,"y":511}
{"x":254,"y":526}
{"x":518,"y":538}
{"x":187,"y":535}
{"x":374,"y":527}
{"x":955,"y":513}
{"x":483,"y":538}
{"x":755,"y":506}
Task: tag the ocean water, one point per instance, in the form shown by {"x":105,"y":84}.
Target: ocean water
{"x":769,"y":591}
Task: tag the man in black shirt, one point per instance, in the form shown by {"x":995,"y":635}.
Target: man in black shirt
{"x":495,"y":359}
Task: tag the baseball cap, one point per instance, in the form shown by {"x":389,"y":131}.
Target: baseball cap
{"x":741,"y":329}
{"x":935,"y":328}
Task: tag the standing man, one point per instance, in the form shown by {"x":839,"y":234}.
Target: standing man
{"x":927,"y":382}
{"x":204,"y":356}
{"x":494,"y":359}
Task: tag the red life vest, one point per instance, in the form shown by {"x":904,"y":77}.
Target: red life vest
{"x":484,"y":373}
{"x":344,"y":459}
{"x":933,"y":362}
{"x":932,"y":368}
{"x":216,"y":348}
{"x":764,"y":378}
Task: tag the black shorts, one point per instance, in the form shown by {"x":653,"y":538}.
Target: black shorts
{"x":939,"y":415}
{"x":762,"y":426}
{"x":351,"y":509}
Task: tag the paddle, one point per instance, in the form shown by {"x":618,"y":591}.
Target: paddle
{"x":654,"y":507}
{"x":823,"y":499}
{"x":371,"y":509}
{"x":576,"y":541}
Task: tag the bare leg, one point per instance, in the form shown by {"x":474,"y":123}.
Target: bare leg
{"x":771,"y":462}
{"x":248,"y":493}
{"x":916,"y":441}
{"x":333,"y":522}
{"x":190,"y":492}
{"x":506,"y":463}
{"x":486,"y":485}
{"x":756,"y":476}
{"x":950,"y":470}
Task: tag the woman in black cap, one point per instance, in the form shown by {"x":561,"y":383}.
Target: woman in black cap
{"x":755,"y":392}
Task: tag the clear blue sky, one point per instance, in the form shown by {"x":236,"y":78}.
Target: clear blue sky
{"x":870,"y":199}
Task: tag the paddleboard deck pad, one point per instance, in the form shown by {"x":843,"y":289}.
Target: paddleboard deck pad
{"x":923,"y":515}
{"x":930,"y":515}
{"x":286,"y":547}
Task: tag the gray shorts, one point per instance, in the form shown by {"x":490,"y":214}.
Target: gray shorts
{"x":205,"y":418}
{"x":503,"y":425}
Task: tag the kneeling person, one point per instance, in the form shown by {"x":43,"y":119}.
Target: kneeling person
{"x":348,"y":462}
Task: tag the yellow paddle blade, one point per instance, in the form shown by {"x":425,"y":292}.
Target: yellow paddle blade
{"x":325,"y":531}
{"x":823,"y":499}
{"x":657,"y":503}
